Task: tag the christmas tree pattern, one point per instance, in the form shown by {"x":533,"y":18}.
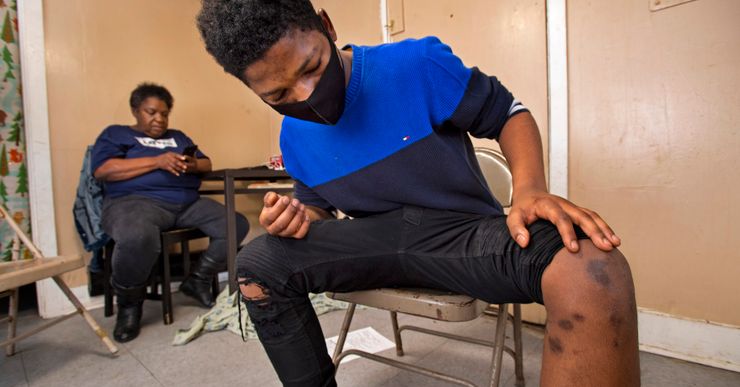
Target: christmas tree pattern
{"x":8,"y":254}
{"x":22,"y":187}
{"x":8,"y":36}
{"x":4,"y":170}
{"x":8,"y":60}
{"x":13,"y":167}
{"x":15,"y":129}
{"x":3,"y":194}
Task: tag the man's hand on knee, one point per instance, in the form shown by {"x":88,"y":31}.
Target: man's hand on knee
{"x":529,"y":206}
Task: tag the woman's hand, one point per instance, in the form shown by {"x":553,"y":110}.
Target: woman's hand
{"x":172,"y":162}
{"x":283,"y":216}
{"x":528,"y":206}
{"x":191,"y":164}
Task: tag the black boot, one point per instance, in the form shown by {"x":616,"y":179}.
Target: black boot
{"x":128,"y":319}
{"x":198,"y":283}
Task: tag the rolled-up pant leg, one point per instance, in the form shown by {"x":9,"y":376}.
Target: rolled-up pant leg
{"x":134,"y":223}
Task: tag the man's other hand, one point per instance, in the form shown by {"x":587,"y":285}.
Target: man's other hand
{"x":283,"y":216}
{"x":531,"y":205}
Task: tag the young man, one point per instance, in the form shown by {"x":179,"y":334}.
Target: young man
{"x":381,"y":133}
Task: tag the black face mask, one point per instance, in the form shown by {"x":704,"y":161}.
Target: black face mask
{"x":326,"y":103}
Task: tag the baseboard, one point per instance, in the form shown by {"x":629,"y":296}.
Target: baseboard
{"x":55,"y":303}
{"x":697,"y":341}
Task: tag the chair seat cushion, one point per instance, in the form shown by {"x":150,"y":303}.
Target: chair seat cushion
{"x":434,"y":304}
{"x":18,"y":273}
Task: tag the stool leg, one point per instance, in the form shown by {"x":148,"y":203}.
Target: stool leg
{"x":215,"y":288}
{"x":107,"y":289}
{"x":498,"y":348}
{"x":166,"y":290}
{"x":518,"y":355}
{"x":12,"y":319}
{"x":185,"y":249}
{"x":396,"y":334}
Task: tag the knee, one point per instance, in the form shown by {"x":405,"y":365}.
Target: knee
{"x":259,"y":268}
{"x":251,"y":290}
{"x":139,"y":237}
{"x":591,"y":277}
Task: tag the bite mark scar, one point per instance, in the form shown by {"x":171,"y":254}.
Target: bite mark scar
{"x":566,"y":325}
{"x":615,"y":321}
{"x":555,"y":345}
{"x":597,"y":270}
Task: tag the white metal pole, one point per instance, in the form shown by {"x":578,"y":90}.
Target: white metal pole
{"x":557,"y":87}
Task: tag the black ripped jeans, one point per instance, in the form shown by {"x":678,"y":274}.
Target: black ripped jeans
{"x":409,"y":247}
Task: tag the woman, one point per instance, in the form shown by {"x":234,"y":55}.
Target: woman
{"x":151,"y":185}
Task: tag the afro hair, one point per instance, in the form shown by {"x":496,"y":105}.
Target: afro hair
{"x":239,"y":32}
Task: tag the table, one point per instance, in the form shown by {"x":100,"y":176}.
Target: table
{"x":229,"y":177}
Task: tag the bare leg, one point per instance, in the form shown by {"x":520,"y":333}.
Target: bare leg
{"x":591,"y":337}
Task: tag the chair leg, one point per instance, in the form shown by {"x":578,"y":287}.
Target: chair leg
{"x":12,"y":319}
{"x":89,"y":318}
{"x":166,"y":289}
{"x":185,"y":250}
{"x":498,"y":348}
{"x":343,"y":333}
{"x":396,"y":334}
{"x":518,"y":355}
{"x":107,"y":288}
{"x":215,"y":288}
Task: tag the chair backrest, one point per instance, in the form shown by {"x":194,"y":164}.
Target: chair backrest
{"x":19,"y":272}
{"x":496,"y":172}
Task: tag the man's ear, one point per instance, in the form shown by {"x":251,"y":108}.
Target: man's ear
{"x":326,"y":21}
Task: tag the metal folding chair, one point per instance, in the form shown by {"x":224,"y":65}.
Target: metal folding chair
{"x":443,"y":306}
{"x":17,"y":273}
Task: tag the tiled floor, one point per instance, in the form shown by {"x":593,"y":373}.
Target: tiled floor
{"x":70,"y":355}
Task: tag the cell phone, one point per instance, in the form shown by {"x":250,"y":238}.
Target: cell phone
{"x":190,"y":150}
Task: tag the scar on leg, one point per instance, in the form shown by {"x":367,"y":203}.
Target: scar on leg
{"x":578,"y":317}
{"x":555,"y":345}
{"x":615,"y":320}
{"x":597,"y":270}
{"x":565,"y":324}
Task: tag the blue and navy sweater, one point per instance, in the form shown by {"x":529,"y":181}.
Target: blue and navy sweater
{"x":403,"y":136}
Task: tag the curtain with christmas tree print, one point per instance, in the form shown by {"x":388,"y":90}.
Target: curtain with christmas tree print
{"x":13,"y":171}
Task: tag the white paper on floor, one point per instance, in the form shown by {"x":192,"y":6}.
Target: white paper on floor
{"x":365,"y":339}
